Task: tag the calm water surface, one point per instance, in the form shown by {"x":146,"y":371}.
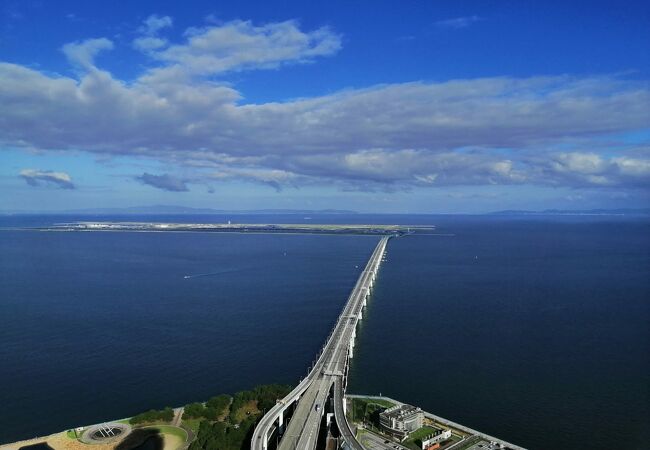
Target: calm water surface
{"x":534,"y":330}
{"x":97,"y":326}
{"x":531,"y":330}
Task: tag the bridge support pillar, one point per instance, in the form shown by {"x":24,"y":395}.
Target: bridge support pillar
{"x":350,"y":352}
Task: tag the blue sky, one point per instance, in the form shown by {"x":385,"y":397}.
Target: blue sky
{"x":395,"y":106}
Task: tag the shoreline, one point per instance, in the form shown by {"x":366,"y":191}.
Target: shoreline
{"x":61,"y":441}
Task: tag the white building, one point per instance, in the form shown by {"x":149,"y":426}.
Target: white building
{"x":399,"y":421}
{"x":435,"y":438}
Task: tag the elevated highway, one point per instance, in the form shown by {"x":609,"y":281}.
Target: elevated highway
{"x":326,"y":381}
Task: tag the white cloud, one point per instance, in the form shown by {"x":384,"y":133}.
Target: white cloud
{"x":459,"y":22}
{"x":482,"y":131}
{"x":148,"y":41}
{"x":580,"y":168}
{"x":272,"y":177}
{"x":154,"y":23}
{"x":239,"y":45}
{"x":582,"y":163}
{"x":35,"y":177}
{"x":635,"y":167}
{"x":164,"y":182}
{"x":82,"y":53}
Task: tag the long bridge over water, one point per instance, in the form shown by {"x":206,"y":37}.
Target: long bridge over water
{"x":325,"y":384}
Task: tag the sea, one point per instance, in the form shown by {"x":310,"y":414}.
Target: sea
{"x":534,"y":329}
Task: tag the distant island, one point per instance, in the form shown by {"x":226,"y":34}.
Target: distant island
{"x":575,"y":212}
{"x":311,"y":228}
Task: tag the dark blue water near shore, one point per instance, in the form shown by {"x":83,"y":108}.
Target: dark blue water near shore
{"x":532,"y":329}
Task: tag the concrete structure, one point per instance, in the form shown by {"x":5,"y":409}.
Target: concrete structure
{"x":325,"y":383}
{"x":105,"y":433}
{"x":453,"y":425}
{"x":435,"y":439}
{"x":401,"y":420}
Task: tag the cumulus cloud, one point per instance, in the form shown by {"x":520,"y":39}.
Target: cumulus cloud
{"x":500,"y":130}
{"x":82,"y":53}
{"x":586,"y":168}
{"x":35,"y":177}
{"x":148,"y":41}
{"x":413,"y":167}
{"x":165,"y":182}
{"x":240,"y":45}
{"x":273,"y":177}
{"x":154,"y":23}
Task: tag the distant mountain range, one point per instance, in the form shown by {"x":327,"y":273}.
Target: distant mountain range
{"x":576,"y":212}
{"x":179,"y":210}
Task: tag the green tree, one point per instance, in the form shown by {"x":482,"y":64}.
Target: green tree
{"x":194,"y":410}
{"x":219,"y":402}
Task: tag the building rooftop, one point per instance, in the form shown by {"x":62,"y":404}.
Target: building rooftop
{"x":401,"y":412}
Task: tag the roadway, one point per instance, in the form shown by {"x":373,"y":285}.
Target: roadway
{"x":329,"y":370}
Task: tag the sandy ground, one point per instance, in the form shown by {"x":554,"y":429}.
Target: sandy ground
{"x":60,"y":441}
{"x":171,"y":442}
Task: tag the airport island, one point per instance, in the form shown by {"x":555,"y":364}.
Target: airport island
{"x":228,"y":227}
{"x":317,"y":413}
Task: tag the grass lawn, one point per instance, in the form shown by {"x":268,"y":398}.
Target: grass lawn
{"x":70,"y":434}
{"x":415,"y":439}
{"x":367,"y":410}
{"x":384,"y":403}
{"x":422,"y":433}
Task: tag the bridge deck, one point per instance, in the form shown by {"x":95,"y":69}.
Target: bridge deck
{"x":303,"y":429}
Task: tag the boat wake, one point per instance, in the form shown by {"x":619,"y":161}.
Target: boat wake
{"x":211,"y":274}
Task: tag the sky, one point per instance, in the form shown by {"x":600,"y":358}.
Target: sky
{"x":409,"y":106}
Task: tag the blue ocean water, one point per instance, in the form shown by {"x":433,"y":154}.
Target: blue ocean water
{"x":98,"y":326}
{"x":532,"y":329}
